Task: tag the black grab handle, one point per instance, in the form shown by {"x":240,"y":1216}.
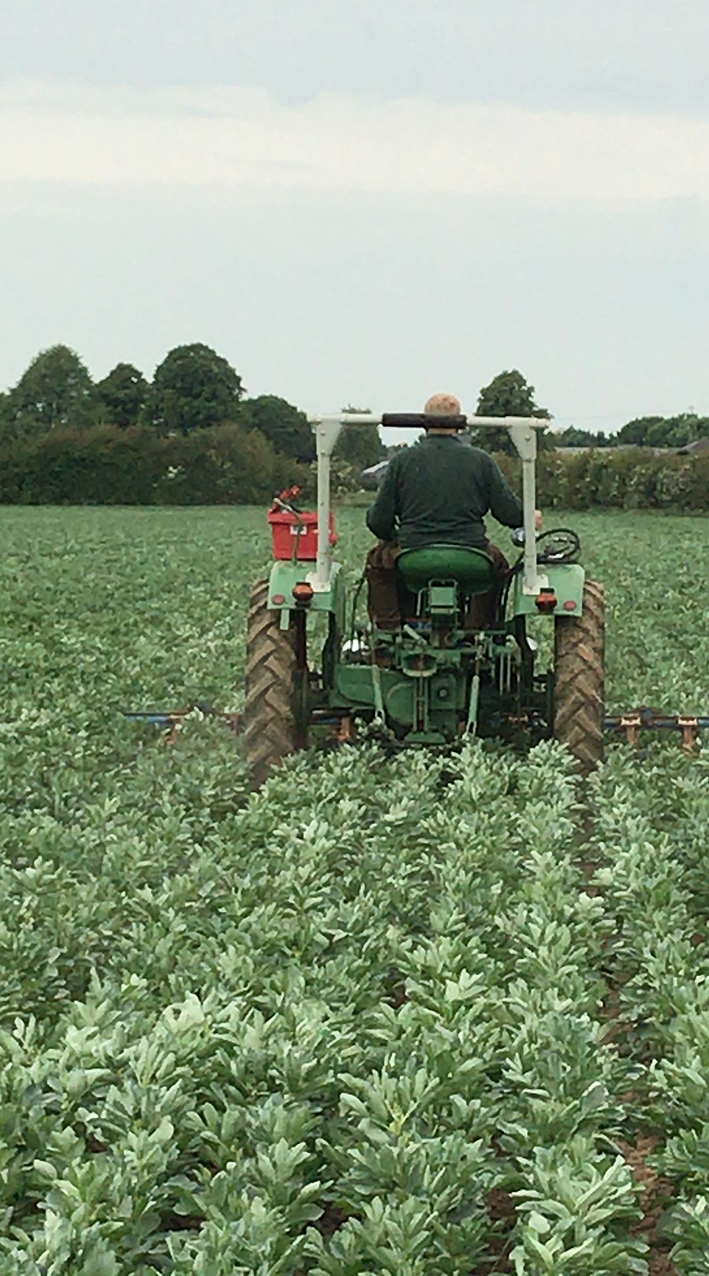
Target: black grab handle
{"x":419,"y":420}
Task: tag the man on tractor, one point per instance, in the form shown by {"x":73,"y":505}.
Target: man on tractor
{"x":437,"y":491}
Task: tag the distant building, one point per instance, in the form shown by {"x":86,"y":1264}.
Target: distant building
{"x":693,"y":449}
{"x":373,"y":475}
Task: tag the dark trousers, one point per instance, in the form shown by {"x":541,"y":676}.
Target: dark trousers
{"x":390,"y":602}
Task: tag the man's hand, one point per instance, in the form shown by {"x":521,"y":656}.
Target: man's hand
{"x":537,"y":520}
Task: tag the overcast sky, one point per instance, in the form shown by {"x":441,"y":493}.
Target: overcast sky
{"x":364,"y":202}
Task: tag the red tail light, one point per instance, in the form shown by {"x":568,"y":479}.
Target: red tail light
{"x":303,"y":593}
{"x":546,"y":600}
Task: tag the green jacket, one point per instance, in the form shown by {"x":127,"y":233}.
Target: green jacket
{"x":439,"y":490}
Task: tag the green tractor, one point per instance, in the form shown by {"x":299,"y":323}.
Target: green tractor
{"x":434,"y":681}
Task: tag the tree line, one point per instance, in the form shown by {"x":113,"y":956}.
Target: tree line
{"x":191,"y":435}
{"x":603,"y":475}
{"x":509,"y":394}
{"x":194,"y":388}
{"x":643,"y":431}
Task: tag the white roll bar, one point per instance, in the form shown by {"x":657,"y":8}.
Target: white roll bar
{"x":523,"y":432}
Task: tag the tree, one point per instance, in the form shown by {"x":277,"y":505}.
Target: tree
{"x":508,"y":394}
{"x":286,"y":428}
{"x":572,"y":436}
{"x":194,"y":388}
{"x":686,"y":428}
{"x":359,"y":445}
{"x":4,"y":414}
{"x":635,"y":433}
{"x":121,"y":396}
{"x":661,"y":431}
{"x":54,"y":391}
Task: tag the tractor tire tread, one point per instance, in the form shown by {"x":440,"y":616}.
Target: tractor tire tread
{"x":269,"y":731}
{"x":579,"y":691}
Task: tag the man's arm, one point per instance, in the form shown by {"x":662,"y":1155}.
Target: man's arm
{"x":504,"y":505}
{"x":381,"y":516}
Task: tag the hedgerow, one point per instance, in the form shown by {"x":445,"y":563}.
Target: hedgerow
{"x":618,"y":478}
{"x":106,"y":465}
{"x":234,"y":464}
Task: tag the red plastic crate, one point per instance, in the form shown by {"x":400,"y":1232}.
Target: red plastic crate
{"x":285,"y":527}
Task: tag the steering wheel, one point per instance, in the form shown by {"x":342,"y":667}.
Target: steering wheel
{"x":559,"y":545}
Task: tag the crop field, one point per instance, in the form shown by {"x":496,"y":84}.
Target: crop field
{"x":411,"y":1015}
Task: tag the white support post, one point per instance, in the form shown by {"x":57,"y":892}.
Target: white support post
{"x":532,"y":581}
{"x":327,"y":431}
{"x":523,"y":432}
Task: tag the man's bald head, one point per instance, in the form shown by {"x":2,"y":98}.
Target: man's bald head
{"x":442,"y":405}
{"x":442,"y":415}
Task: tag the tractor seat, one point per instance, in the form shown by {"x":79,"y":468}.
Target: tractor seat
{"x":471,"y":569}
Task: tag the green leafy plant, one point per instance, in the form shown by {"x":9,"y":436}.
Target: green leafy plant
{"x":327,"y":1026}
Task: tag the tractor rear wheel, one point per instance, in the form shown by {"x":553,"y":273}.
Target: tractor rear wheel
{"x":579,"y":691}
{"x":276,"y":672}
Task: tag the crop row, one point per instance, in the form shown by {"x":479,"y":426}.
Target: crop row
{"x":651,"y":844}
{"x":390,"y":1014}
{"x":327,"y":1038}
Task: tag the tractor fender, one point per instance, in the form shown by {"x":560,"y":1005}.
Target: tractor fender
{"x":286,"y":575}
{"x":566,"y":580}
